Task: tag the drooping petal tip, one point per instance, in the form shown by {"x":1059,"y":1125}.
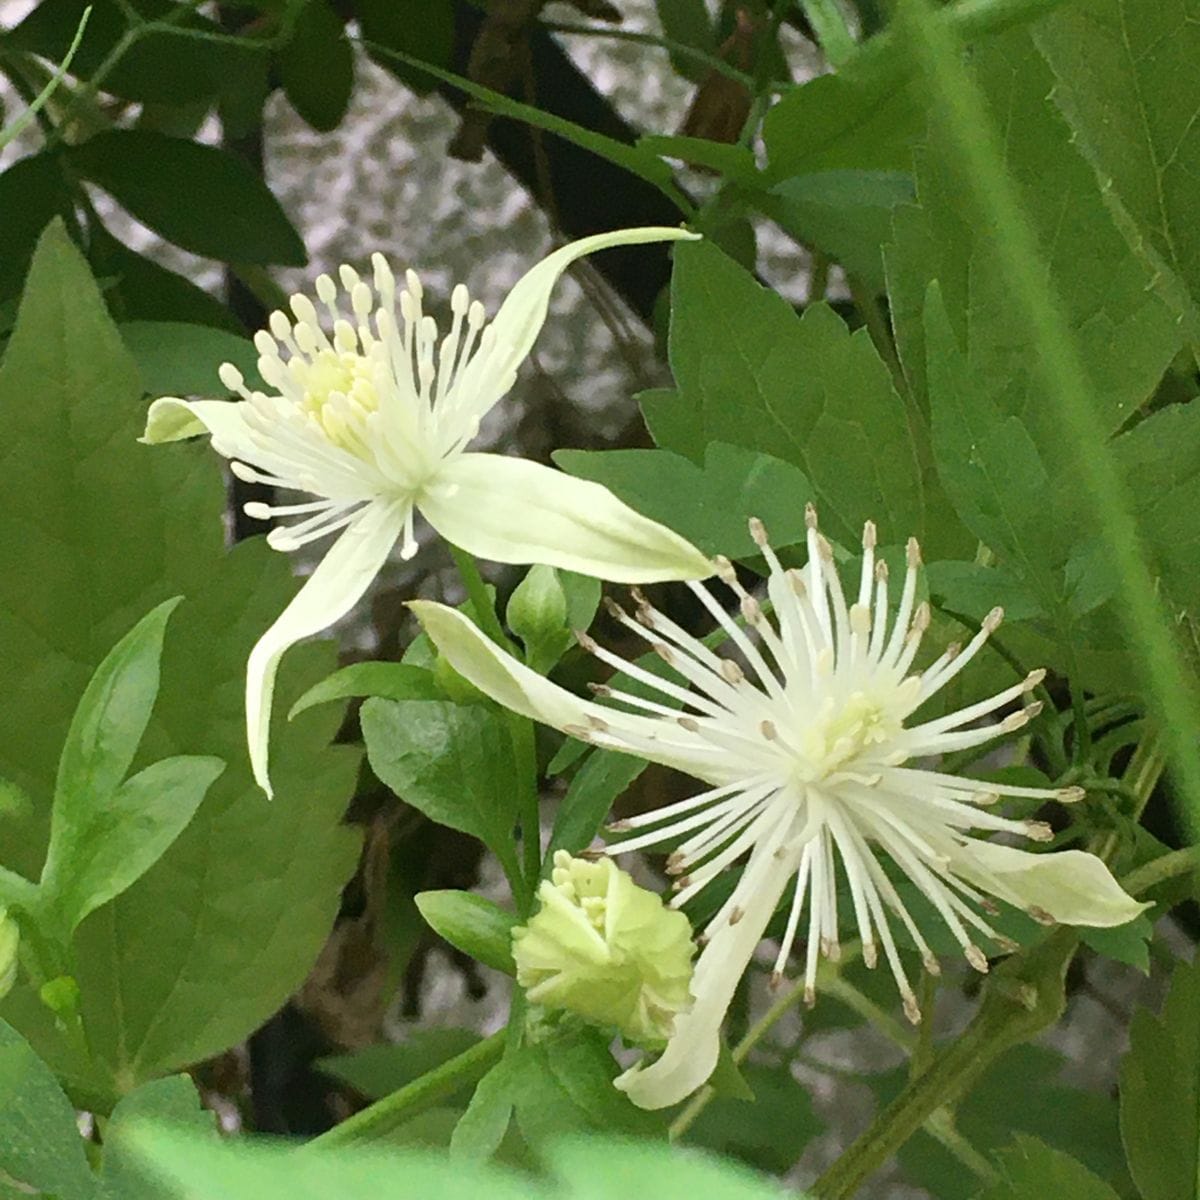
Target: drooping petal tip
{"x":170,"y":419}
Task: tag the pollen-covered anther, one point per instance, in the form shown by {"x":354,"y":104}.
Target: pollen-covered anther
{"x":579,"y":732}
{"x":751,"y":610}
{"x":912,"y":553}
{"x":881,"y":571}
{"x":912,"y":1010}
{"x":921,"y":619}
{"x":1039,"y":831}
{"x":731,"y":672}
{"x":985,"y":799}
{"x":931,"y":965}
{"x":676,"y":862}
{"x":725,"y":569}
{"x":688,"y":723}
{"x":860,"y":619}
{"x":976,"y":957}
{"x":600,"y":689}
{"x":586,"y":641}
{"x":870,"y":954}
{"x":796,"y":579}
{"x":1034,"y":679}
{"x":622,"y":826}
{"x":869,"y":535}
{"x":1006,"y":944}
{"x":824,"y":548}
{"x":993,"y":620}
{"x":810,"y":997}
{"x":1040,"y":915}
{"x":736,"y":914}
{"x":810,"y":515}
{"x":597,"y":723}
{"x":758,"y":531}
{"x":614,"y":610}
{"x":989,"y":906}
{"x":768,"y":730}
{"x":664,"y":652}
{"x":1070,"y":795}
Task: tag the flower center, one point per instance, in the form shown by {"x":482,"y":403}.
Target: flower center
{"x":339,"y":394}
{"x":843,"y":732}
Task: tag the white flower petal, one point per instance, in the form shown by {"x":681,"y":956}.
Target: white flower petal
{"x":521,"y":316}
{"x":510,"y":683}
{"x":170,"y":420}
{"x":515,"y":511}
{"x":692,"y":1052}
{"x":1072,"y":886}
{"x":328,"y":594}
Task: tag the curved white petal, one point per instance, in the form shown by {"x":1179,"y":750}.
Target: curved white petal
{"x":515,"y":511}
{"x":520,"y":318}
{"x":328,"y":594}
{"x":691,"y":1054}
{"x":1072,"y":886}
{"x":510,"y":683}
{"x":170,"y":419}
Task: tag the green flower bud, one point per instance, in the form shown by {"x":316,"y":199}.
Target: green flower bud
{"x":10,"y":939}
{"x":607,"y":950}
{"x":537,"y":609}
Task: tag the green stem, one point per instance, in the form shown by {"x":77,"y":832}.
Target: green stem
{"x":1158,"y":870}
{"x":481,"y":602}
{"x":829,"y":24}
{"x":1064,"y":379}
{"x":381,"y":1118}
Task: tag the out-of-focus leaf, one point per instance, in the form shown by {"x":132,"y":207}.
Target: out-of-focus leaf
{"x":1032,"y":1170}
{"x":95,"y":530}
{"x":1126,"y":82}
{"x":709,"y":505}
{"x":32,"y":191}
{"x":390,"y":681}
{"x":474,"y":924}
{"x":316,"y":66}
{"x":199,"y":197}
{"x":1160,"y":1093}
{"x":486,"y":1121}
{"x":454,"y":763}
{"x":1128,"y":943}
{"x":687,"y":22}
{"x":178,"y":359}
{"x":733,"y":161}
{"x":422,"y":29}
{"x":377,"y":1071}
{"x":40,"y":1148}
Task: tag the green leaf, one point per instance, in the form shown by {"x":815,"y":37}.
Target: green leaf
{"x":391,"y":681}
{"x":769,"y":1130}
{"x":32,"y":190}
{"x":179,"y":359}
{"x":1127,"y":85}
{"x":40,"y":1149}
{"x":377,"y":1071}
{"x":589,"y":799}
{"x":172,"y":1100}
{"x":95,"y":530}
{"x":199,"y":197}
{"x":606,"y":1169}
{"x":1128,"y":943}
{"x":847,"y":214}
{"x":805,"y":390}
{"x":422,"y":29}
{"x":687,"y":22}
{"x":482,"y":1128}
{"x":316,"y":66}
{"x":101,"y":848}
{"x":264,"y":1169}
{"x":564,"y":1084}
{"x":474,"y":924}
{"x":732,"y":161}
{"x":710,"y":504}
{"x":453,"y":763}
{"x":847,"y":121}
{"x":1126,"y":333}
{"x":1031,"y":1170}
{"x":110,"y":719}
{"x":1160,"y":1093}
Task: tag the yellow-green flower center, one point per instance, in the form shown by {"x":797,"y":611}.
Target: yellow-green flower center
{"x":339,"y":394}
{"x":840,"y":736}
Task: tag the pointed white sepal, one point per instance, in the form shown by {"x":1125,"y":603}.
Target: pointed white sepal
{"x":330,"y":592}
{"x":515,"y":511}
{"x":170,"y":419}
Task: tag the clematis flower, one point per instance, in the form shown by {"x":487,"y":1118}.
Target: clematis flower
{"x":373,"y":417}
{"x":809,"y":762}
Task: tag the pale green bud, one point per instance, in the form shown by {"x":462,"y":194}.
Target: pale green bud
{"x":537,"y":609}
{"x":10,"y":940}
{"x":607,"y":950}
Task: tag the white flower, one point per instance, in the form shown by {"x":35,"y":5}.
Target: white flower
{"x":806,"y":753}
{"x":374,"y":418}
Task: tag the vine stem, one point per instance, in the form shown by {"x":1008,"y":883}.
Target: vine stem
{"x":381,"y":1118}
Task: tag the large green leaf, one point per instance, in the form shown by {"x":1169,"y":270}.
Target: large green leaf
{"x":32,"y":190}
{"x":199,"y":197}
{"x":1126,"y":81}
{"x":806,"y":390}
{"x":316,"y":66}
{"x":179,"y":359}
{"x":1126,"y":332}
{"x":1032,"y":1171}
{"x":455,"y":763}
{"x":1160,"y":1093}
{"x":40,"y":1147}
{"x":474,"y":924}
{"x":710,"y":504}
{"x":94,"y":531}
{"x":377,"y":1071}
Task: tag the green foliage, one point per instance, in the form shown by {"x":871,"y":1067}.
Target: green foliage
{"x":1032,"y":1170}
{"x":196,"y":196}
{"x":421,"y":29}
{"x":40,"y":1151}
{"x":603,"y":776}
{"x":379,"y":1070}
{"x":1160,"y":1093}
{"x":1125,"y":82}
{"x":97,"y":531}
{"x":687,"y":22}
{"x":456,"y":764}
{"x":710,"y":503}
{"x":316,"y":66}
{"x":806,"y":390}
{"x":390,"y":681}
{"x":475,"y":925}
{"x":178,"y":359}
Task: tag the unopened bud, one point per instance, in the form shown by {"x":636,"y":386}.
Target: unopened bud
{"x":607,"y":950}
{"x":537,"y":610}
